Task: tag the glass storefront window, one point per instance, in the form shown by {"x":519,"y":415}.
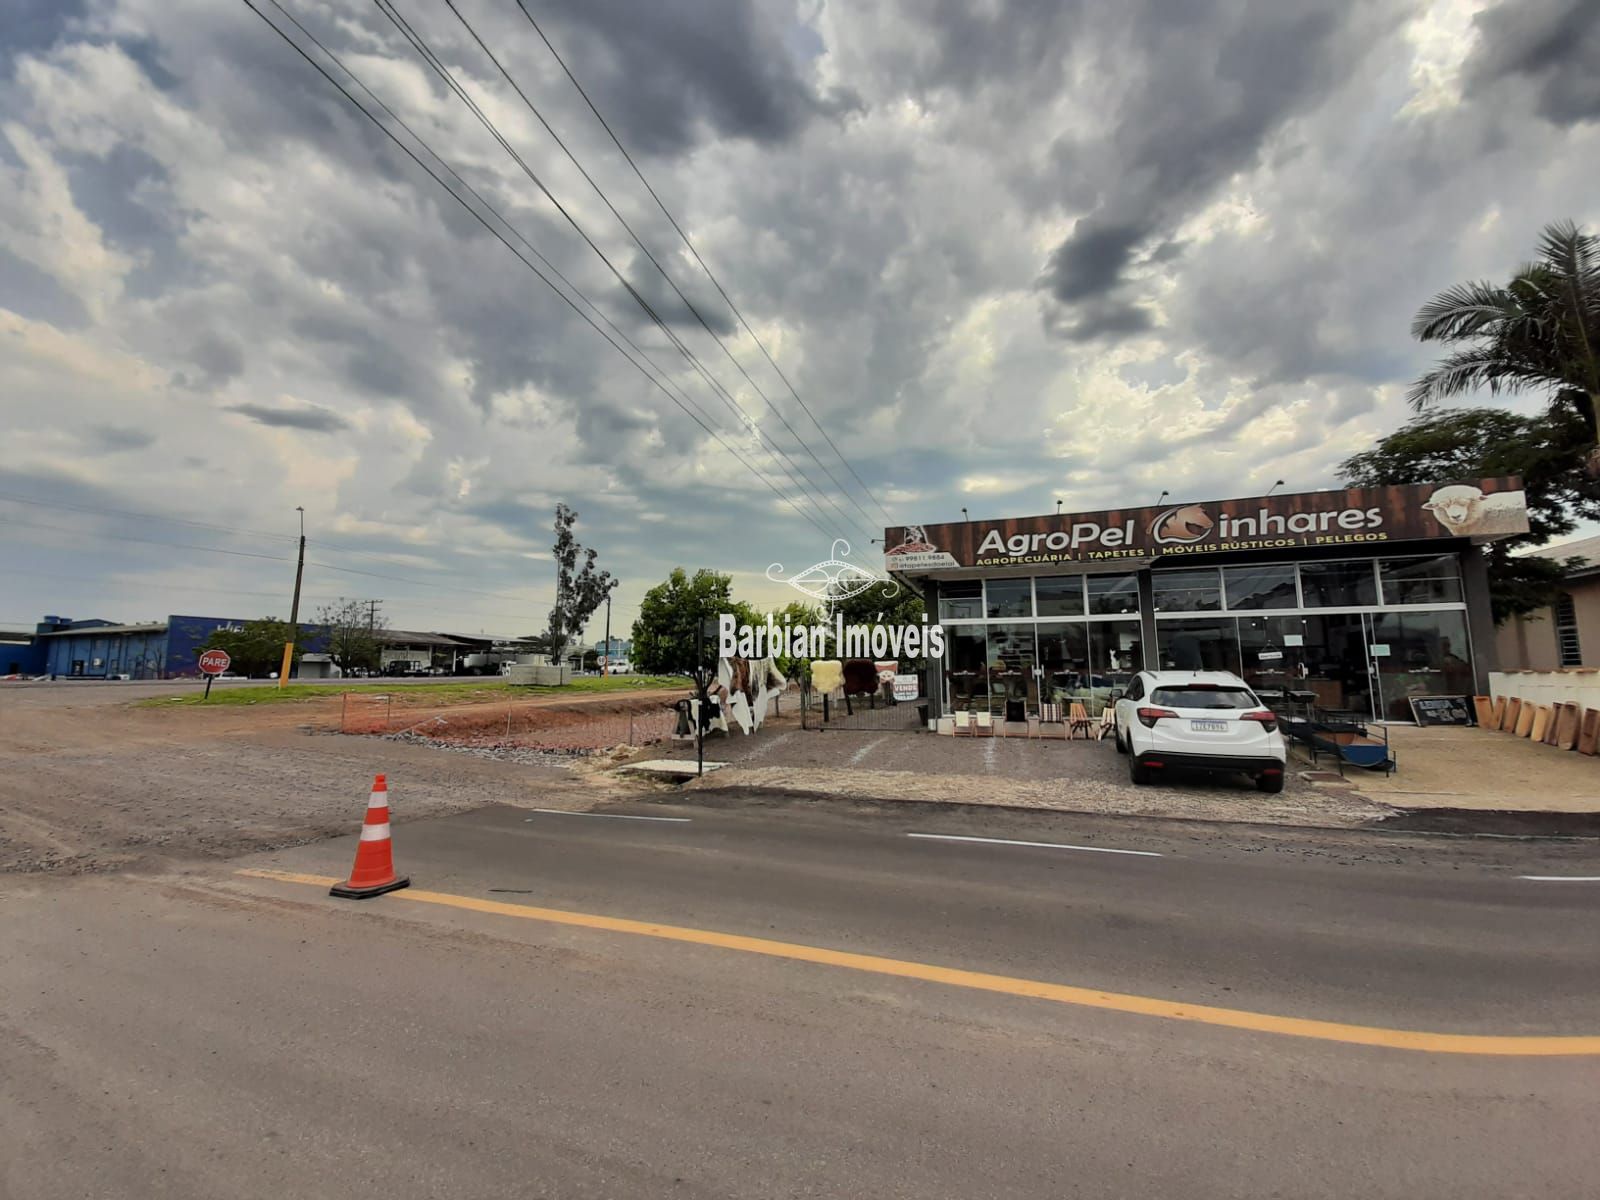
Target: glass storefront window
{"x":1338,"y":584}
{"x":1334,"y":666}
{"x":967,"y":662}
{"x":1267,"y":586}
{"x":1110,"y":594}
{"x":1064,"y":659}
{"x":1420,"y":580}
{"x":1009,"y":597}
{"x":1115,"y":654}
{"x":1272,"y":650}
{"x":1013,"y":685}
{"x":961,"y":600}
{"x":1060,"y":595}
{"x":1199,"y":590}
{"x":1202,"y":645}
{"x":1427,"y":657}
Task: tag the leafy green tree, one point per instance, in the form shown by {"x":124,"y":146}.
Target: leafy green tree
{"x":257,"y":648}
{"x":666,"y":635}
{"x":1538,"y":333}
{"x":579,"y":589}
{"x":1547,"y":450}
{"x":883,"y":603}
{"x":350,"y":629}
{"x":794,"y":614}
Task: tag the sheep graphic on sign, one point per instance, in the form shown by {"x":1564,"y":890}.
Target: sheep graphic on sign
{"x":1468,"y":511}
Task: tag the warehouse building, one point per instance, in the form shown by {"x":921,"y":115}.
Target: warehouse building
{"x":167,"y":649}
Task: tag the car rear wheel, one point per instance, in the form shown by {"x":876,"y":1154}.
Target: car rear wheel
{"x":1138,"y":772}
{"x":1270,"y":783}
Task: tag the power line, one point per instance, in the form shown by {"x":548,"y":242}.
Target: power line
{"x":117,"y":512}
{"x":616,"y":141}
{"x":479,"y":217}
{"x":419,"y":44}
{"x":655,"y":262}
{"x":124,"y":537}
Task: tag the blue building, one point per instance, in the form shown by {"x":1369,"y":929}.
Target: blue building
{"x":167,"y":649}
{"x":23,"y":653}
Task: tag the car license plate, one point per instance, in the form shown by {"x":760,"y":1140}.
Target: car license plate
{"x":1209,"y":726}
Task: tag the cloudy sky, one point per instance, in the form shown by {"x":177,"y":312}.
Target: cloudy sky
{"x":1005,"y":251}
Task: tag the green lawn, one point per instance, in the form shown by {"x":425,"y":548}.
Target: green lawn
{"x":456,"y":691}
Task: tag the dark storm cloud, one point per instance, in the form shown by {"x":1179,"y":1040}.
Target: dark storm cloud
{"x":312,"y":418}
{"x":666,"y":73}
{"x":1554,"y":45}
{"x":1090,"y":262}
{"x":1202,"y":88}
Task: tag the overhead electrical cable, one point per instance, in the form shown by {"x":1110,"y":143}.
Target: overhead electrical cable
{"x":428,"y":55}
{"x":117,"y":512}
{"x":616,"y":141}
{"x":495,"y":232}
{"x":660,"y":269}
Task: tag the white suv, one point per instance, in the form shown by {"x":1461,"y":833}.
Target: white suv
{"x":1200,"y":720}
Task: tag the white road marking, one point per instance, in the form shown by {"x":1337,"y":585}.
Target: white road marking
{"x":1562,"y":878}
{"x":952,"y":837}
{"x":561,"y":812}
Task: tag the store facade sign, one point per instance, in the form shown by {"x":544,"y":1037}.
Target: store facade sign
{"x":1483,"y":509}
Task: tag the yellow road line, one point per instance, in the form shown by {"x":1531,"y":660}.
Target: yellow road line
{"x":1150,"y":1006}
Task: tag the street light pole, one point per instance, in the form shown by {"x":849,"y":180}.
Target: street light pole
{"x":605,"y":659}
{"x":294,"y":608}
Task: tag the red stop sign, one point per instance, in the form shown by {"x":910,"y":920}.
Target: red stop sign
{"x":214,"y":662}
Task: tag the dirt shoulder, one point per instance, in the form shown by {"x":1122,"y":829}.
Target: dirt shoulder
{"x":90,"y":782}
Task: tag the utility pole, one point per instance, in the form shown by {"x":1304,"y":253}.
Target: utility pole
{"x":605,"y":661}
{"x":294,"y":608}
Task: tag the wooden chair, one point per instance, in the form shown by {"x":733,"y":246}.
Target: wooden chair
{"x":1050,"y":714}
{"x":963,"y":725}
{"x":985,"y":723}
{"x":1108,"y":722}
{"x":1078,"y":720}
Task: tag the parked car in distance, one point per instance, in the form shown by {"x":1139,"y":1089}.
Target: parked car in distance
{"x":1198,"y":720}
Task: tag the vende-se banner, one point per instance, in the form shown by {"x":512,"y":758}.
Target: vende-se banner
{"x":1481,"y":509}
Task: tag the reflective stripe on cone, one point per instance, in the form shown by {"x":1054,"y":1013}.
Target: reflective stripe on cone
{"x":373,"y":873}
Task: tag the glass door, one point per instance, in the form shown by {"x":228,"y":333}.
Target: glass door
{"x":1427,"y":657}
{"x":1013,"y":682}
{"x":1329,"y":657}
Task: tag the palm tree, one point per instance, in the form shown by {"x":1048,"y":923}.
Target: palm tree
{"x":1541,"y":332}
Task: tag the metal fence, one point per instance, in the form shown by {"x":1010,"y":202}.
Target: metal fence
{"x":871,"y":713}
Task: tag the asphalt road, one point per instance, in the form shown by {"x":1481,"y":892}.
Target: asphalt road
{"x":211,"y":1034}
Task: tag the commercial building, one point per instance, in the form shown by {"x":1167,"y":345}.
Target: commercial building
{"x":1566,"y":633}
{"x":1359,"y":598}
{"x":167,"y":649}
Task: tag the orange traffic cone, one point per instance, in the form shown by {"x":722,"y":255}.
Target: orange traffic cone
{"x":373,"y":874}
